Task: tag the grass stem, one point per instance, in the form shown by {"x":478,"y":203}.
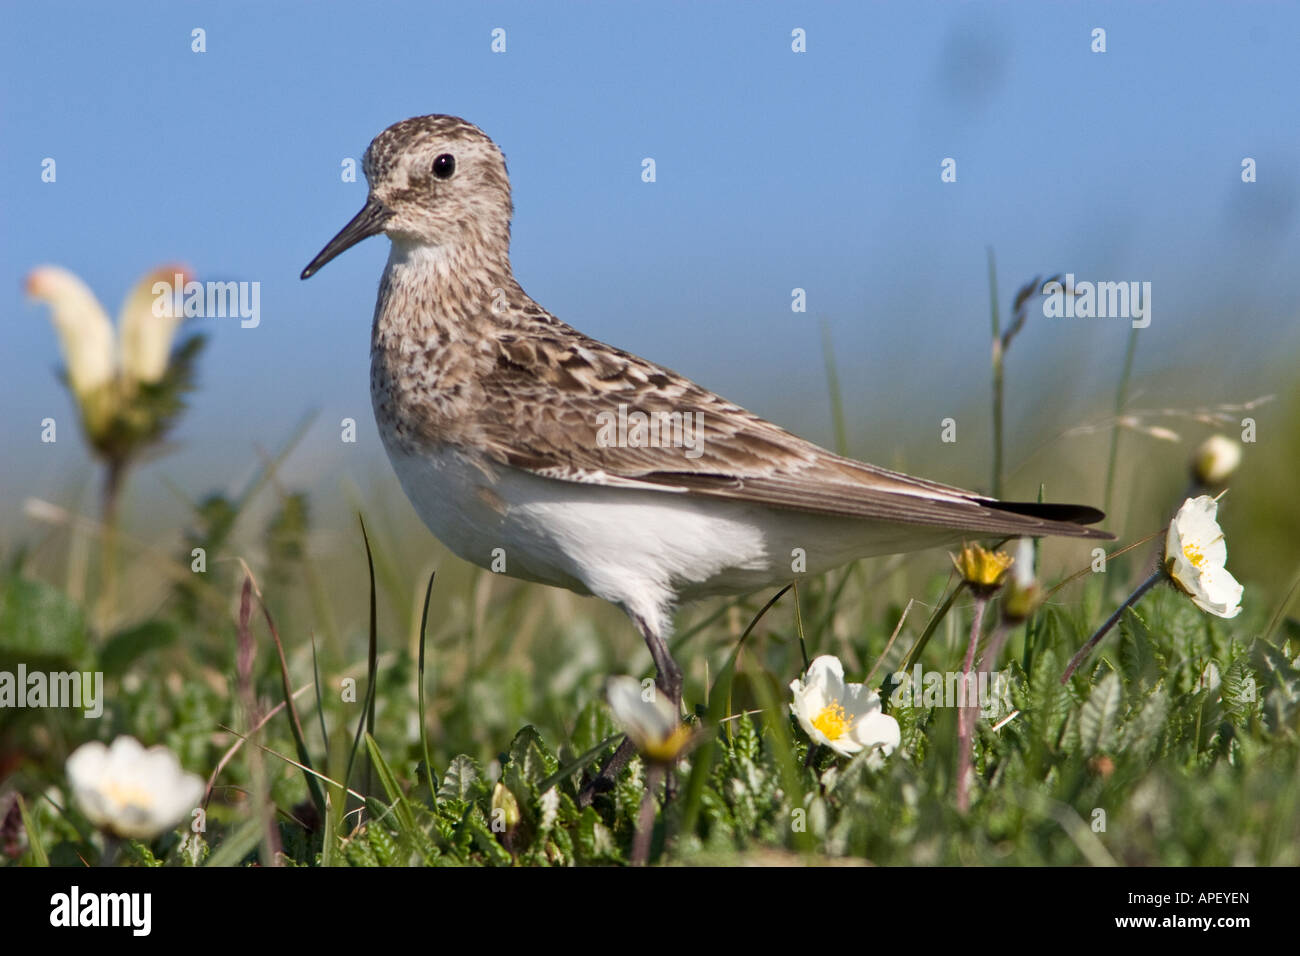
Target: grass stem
{"x":966,"y":712}
{"x":1121,"y":399}
{"x":1110,"y":622}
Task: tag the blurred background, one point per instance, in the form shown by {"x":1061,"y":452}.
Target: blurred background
{"x":775,"y":170}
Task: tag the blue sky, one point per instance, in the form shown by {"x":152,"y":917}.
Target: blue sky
{"x":775,"y":170}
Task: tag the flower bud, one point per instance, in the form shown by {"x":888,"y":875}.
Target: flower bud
{"x":1023,"y":594}
{"x":1215,"y":460}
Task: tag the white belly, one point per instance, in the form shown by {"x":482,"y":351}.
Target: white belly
{"x":643,"y":550}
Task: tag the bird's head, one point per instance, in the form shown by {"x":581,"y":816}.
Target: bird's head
{"x":434,"y":181}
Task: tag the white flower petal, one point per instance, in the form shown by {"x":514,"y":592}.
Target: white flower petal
{"x":824,"y":683}
{"x":647,"y":722}
{"x":85,"y":333}
{"x":878,"y":730}
{"x":826,"y":672}
{"x":147,"y":337}
{"x":1022,"y":563}
{"x":846,"y":745}
{"x":131,"y":791}
{"x":1195,"y":554}
{"x":865,"y":725}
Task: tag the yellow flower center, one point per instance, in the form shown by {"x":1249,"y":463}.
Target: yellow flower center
{"x":127,"y":794}
{"x":1194,"y":555}
{"x":832,"y":721}
{"x":668,"y":749}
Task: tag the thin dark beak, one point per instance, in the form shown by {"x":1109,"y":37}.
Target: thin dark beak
{"x":368,"y":222}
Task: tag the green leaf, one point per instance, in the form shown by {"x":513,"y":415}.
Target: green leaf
{"x":548,"y":811}
{"x":1100,"y":715}
{"x":593,"y":727}
{"x":529,"y":762}
{"x":237,"y":845}
{"x":463,"y":781}
{"x":125,"y":647}
{"x":33,"y":834}
{"x":594,"y":841}
{"x":1240,"y":692}
{"x":39,"y":626}
{"x":1047,"y":700}
{"x":1283,"y":685}
{"x":1142,"y":732}
{"x":476,"y":832}
{"x":1136,"y":655}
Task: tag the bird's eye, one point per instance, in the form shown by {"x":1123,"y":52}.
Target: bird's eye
{"x":444,"y":166}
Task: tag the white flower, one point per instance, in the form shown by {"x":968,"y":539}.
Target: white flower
{"x":845,"y":717}
{"x":85,"y":333}
{"x":94,"y":355}
{"x":145,"y":335}
{"x":1023,"y":594}
{"x":648,"y":718}
{"x":1215,"y":460}
{"x":1195,"y":554}
{"x":130,"y":791}
{"x":1022,"y":563}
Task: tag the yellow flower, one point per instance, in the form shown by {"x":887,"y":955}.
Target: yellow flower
{"x":981,"y":568}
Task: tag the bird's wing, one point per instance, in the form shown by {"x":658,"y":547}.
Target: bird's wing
{"x":564,"y":406}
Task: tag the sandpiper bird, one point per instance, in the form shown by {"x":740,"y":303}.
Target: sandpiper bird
{"x":519,"y":439}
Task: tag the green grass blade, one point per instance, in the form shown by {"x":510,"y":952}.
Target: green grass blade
{"x":833,"y":387}
{"x":1121,"y":399}
{"x":33,"y":834}
{"x":579,"y":763}
{"x":778,"y":724}
{"x":320,"y":701}
{"x":798,"y":626}
{"x":401,"y":808}
{"x":424,"y":729}
{"x":997,"y":366}
{"x":295,"y":725}
{"x":367,"y":721}
{"x":719,"y":706}
{"x":237,"y":845}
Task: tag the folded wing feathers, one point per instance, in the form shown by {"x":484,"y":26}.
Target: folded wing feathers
{"x":737,"y":455}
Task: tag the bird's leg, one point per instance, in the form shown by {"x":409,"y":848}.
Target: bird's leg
{"x":669,"y":681}
{"x":603,"y":782}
